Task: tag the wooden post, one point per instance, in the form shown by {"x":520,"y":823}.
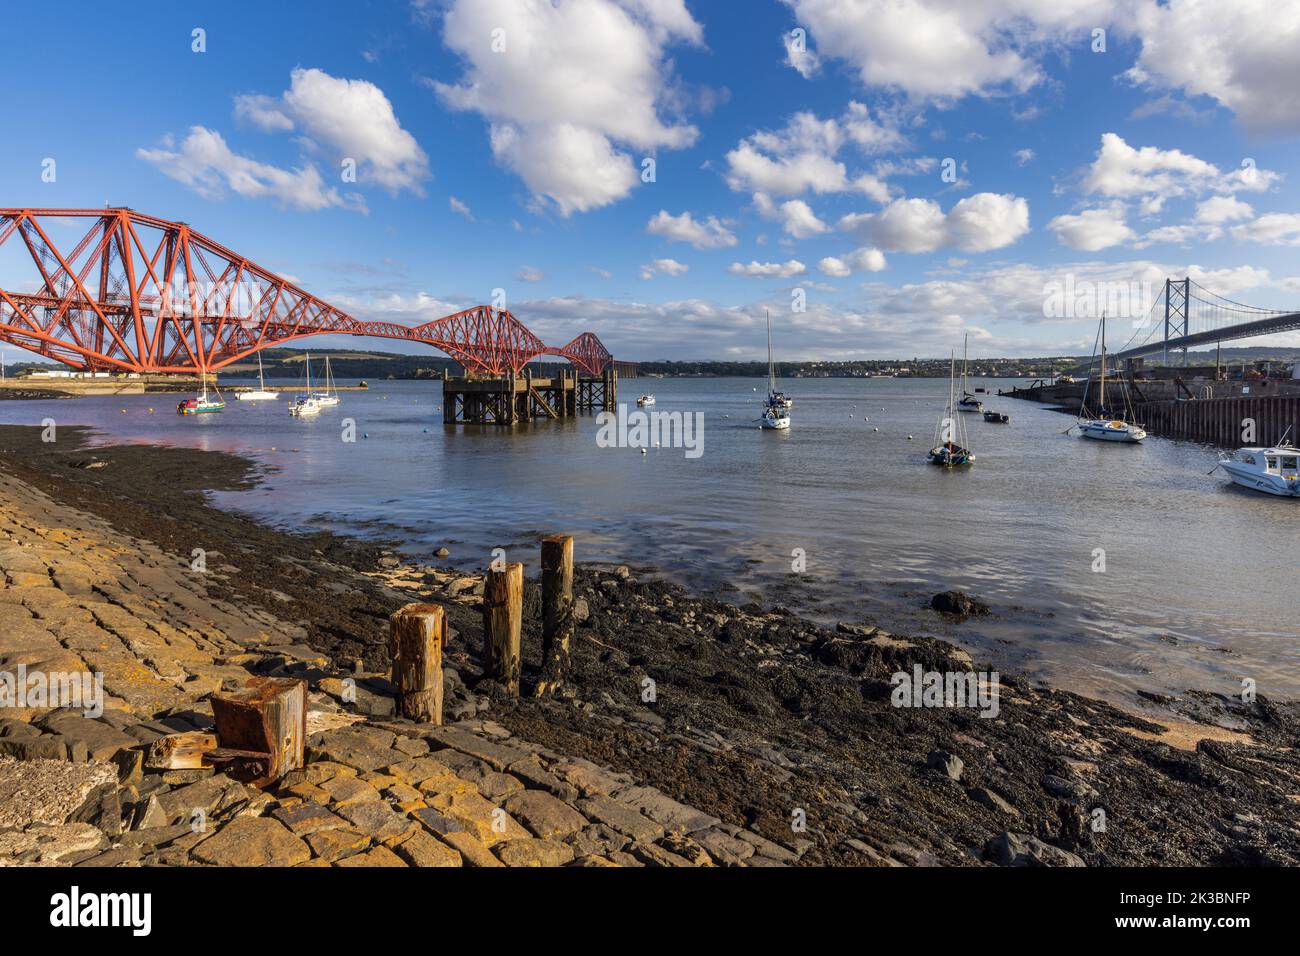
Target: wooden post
{"x":557,"y":611}
{"x":417,"y":633}
{"x":503,"y":614}
{"x":266,"y":718}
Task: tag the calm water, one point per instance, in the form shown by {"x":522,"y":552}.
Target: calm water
{"x":1200,"y":579}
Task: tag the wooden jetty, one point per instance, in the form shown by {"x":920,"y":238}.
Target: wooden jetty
{"x":508,"y":399}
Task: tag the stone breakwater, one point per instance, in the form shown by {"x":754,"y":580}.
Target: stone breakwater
{"x":80,"y":597}
{"x":695,"y":730}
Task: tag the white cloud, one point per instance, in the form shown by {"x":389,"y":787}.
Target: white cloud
{"x":798,"y":56}
{"x":265,"y":113}
{"x":1274,"y":229}
{"x":1220,"y":209}
{"x":208,"y":166}
{"x":577,"y":83}
{"x":796,"y":216}
{"x":802,"y":156}
{"x":768,"y":270}
{"x":940,"y":49}
{"x":1243,"y":56}
{"x":1122,"y":171}
{"x":1093,"y":229}
{"x":667,"y":267}
{"x":859,"y":260}
{"x":350,"y":119}
{"x":530,"y":274}
{"x":460,"y":208}
{"x":978,"y":223}
{"x":709,"y":234}
{"x":1024,"y":156}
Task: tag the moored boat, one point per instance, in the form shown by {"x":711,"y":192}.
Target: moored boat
{"x":329,"y":397}
{"x":998,"y":418}
{"x":776,"y":410}
{"x":259,"y":394}
{"x":203,"y":403}
{"x":1274,"y":471}
{"x":645,"y":400}
{"x":951,"y":449}
{"x":1100,"y":426}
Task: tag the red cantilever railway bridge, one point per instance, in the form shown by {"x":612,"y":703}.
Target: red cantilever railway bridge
{"x":142,"y":294}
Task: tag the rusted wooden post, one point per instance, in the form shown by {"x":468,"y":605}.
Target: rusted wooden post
{"x":261,"y":728}
{"x":557,"y":611}
{"x":417,"y":634}
{"x":503,"y":614}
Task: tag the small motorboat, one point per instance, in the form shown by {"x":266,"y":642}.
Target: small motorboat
{"x":998,"y":418}
{"x":645,"y":400}
{"x":305,"y":406}
{"x":1275,"y":471}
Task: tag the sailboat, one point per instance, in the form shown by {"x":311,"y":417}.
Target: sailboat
{"x":967,"y":402}
{"x":950,"y":446}
{"x":259,"y":394}
{"x":776,"y":415}
{"x":1101,"y":428}
{"x":329,"y":397}
{"x":308,"y":404}
{"x":202,"y":404}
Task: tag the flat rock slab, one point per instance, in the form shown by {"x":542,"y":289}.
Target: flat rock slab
{"x":530,"y":852}
{"x":47,"y":846}
{"x":252,"y":841}
{"x":47,"y":791}
{"x":548,"y":817}
{"x":664,"y":810}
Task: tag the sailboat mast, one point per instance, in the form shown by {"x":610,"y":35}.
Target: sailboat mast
{"x":965,"y":351}
{"x":771,"y":367}
{"x":1103,"y":364}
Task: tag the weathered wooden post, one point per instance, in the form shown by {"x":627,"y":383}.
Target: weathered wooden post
{"x":557,"y":611}
{"x":503,"y":615}
{"x":417,"y":634}
{"x":261,"y":727}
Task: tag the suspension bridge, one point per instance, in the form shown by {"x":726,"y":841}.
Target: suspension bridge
{"x":136,"y":293}
{"x":1188,"y":315}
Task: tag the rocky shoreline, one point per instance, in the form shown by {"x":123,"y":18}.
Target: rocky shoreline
{"x":731,"y":735}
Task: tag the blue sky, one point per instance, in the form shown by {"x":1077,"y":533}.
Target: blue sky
{"x":777,"y":169}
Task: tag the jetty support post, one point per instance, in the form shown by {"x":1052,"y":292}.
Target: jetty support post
{"x":417,"y":633}
{"x":503,"y":614}
{"x":557,"y":611}
{"x":262,"y":728}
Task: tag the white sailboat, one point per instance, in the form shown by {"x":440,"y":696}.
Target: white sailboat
{"x":967,"y":402}
{"x":329,"y":397}
{"x":259,"y":394}
{"x":776,"y":415}
{"x":951,"y":449}
{"x":1099,"y":427}
{"x":308,"y":404}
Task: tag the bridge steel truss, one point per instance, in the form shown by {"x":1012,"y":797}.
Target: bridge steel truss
{"x":140,"y":294}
